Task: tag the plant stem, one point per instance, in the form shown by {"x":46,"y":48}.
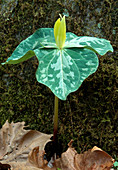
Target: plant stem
{"x":55,"y":119}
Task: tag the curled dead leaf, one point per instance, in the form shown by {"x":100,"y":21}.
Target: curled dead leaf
{"x":36,"y":158}
{"x":16,"y":143}
{"x":93,"y":159}
{"x":66,"y":162}
{"x":23,"y":149}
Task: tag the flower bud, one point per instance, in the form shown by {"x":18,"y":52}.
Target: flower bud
{"x":60,"y":32}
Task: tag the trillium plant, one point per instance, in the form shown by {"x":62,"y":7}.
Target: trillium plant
{"x":65,"y":60}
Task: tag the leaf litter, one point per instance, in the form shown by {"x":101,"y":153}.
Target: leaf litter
{"x":22,"y":149}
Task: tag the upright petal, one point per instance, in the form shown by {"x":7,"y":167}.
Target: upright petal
{"x":60,"y":32}
{"x":56,"y":28}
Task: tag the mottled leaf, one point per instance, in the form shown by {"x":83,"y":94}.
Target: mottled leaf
{"x":98,"y":45}
{"x":26,"y":49}
{"x":63,"y":71}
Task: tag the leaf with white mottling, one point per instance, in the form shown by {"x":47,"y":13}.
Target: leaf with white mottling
{"x":63,"y":71}
{"x":99,"y":45}
{"x":27,"y":48}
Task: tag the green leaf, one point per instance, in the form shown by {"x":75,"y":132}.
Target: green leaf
{"x":47,"y":37}
{"x":26,"y":49}
{"x":98,"y":45}
{"x":14,"y":60}
{"x":63,"y":71}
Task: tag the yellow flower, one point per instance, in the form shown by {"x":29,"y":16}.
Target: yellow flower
{"x":60,"y":32}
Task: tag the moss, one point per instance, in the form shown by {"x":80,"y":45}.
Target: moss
{"x":89,"y":115}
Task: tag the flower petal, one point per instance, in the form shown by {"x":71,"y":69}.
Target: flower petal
{"x":56,"y":28}
{"x":60,"y":32}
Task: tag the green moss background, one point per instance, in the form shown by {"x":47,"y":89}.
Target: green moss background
{"x":89,"y":115}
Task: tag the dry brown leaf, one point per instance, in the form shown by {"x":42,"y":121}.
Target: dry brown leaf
{"x":36,"y":159}
{"x":24,"y":150}
{"x":66,"y":162}
{"x":22,"y":166}
{"x":93,"y":159}
{"x":16,"y":143}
